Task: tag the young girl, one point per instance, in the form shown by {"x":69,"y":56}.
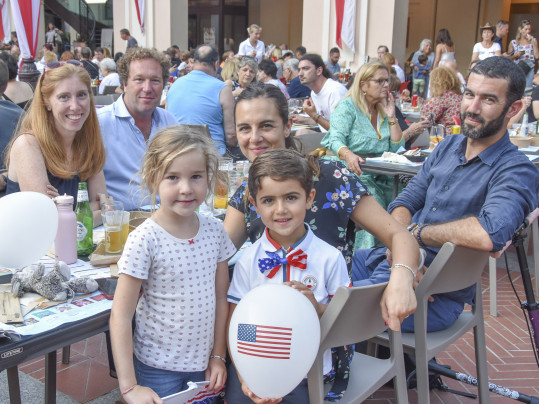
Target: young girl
{"x":177,"y":259}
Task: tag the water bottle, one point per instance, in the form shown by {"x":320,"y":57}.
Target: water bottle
{"x":85,"y":222}
{"x":65,"y":243}
{"x":524,"y":126}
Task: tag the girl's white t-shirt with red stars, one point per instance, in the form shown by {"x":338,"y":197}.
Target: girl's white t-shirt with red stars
{"x":175,"y":314}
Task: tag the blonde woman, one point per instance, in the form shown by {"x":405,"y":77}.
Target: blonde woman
{"x":230,"y":70}
{"x":58,"y":142}
{"x":524,"y":49}
{"x":364,"y":124}
{"x":446,"y":96}
{"x":253,"y":46}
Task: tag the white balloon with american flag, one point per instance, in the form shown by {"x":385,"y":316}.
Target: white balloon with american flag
{"x":274,"y":337}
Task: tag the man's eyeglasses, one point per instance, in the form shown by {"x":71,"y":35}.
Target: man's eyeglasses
{"x":58,"y":63}
{"x":381,"y":82}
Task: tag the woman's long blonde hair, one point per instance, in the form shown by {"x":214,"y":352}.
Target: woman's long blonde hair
{"x":365,"y":73}
{"x":230,"y":70}
{"x":444,"y":79}
{"x":88,"y":149}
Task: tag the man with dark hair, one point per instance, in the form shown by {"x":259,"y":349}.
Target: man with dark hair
{"x":474,"y":190}
{"x":126,"y":36}
{"x":201,"y":98}
{"x":131,"y":121}
{"x":381,"y":51}
{"x":291,"y":74}
{"x":9,"y":116}
{"x":502,"y":28}
{"x":91,"y":67}
{"x":325,"y":94}
{"x":333,"y":61}
{"x":99,"y":54}
{"x":300,"y":52}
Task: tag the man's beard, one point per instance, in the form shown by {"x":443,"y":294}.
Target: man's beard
{"x":482,"y":131}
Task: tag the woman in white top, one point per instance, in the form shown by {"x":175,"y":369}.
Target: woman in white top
{"x":487,"y":47}
{"x":110,"y":77}
{"x":445,"y":49}
{"x":253,"y":46}
{"x":524,"y":48}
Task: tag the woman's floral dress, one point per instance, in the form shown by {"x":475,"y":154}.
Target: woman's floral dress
{"x":338,"y":190}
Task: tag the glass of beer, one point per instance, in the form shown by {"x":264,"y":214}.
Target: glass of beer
{"x":112,"y":222}
{"x":112,"y":214}
{"x":125,"y":227}
{"x":220,"y":197}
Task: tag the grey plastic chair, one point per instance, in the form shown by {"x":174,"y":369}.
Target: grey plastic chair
{"x":103,"y":99}
{"x":454,"y":268}
{"x":353,"y":315}
{"x":310,"y":141}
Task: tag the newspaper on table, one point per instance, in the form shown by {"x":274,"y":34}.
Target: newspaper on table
{"x":196,"y":393}
{"x":40,"y":320}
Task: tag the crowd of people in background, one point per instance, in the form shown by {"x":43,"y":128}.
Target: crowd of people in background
{"x":243,"y":100}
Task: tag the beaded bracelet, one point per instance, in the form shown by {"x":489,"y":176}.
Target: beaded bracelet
{"x":218,"y":357}
{"x":129,"y":389}
{"x":414,"y":273}
{"x":421,"y":243}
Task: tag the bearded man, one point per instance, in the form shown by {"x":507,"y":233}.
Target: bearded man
{"x":474,"y":190}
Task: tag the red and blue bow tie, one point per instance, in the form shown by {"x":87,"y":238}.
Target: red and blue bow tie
{"x":272,"y":264}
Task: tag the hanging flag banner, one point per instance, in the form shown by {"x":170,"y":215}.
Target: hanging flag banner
{"x":26,"y":18}
{"x":5,"y":29}
{"x":346,"y":23}
{"x":140,"y":13}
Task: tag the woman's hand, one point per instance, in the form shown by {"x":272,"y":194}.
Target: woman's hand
{"x":389,"y":106}
{"x":398,"y":300}
{"x":142,"y":395}
{"x":353,"y":161}
{"x":216,"y":374}
{"x":416,"y":129}
{"x":257,"y":399}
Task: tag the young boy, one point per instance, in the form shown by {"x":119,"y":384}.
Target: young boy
{"x":280,"y":189}
{"x":421,"y":72}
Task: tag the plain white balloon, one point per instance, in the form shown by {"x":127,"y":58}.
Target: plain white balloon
{"x":275,"y":306}
{"x":27,"y":229}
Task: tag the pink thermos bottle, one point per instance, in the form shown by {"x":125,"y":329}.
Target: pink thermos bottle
{"x":65,"y":243}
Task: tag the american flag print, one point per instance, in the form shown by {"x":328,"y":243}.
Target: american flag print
{"x":264,"y":341}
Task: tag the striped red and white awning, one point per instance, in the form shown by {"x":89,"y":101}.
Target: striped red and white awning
{"x":26,"y":18}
